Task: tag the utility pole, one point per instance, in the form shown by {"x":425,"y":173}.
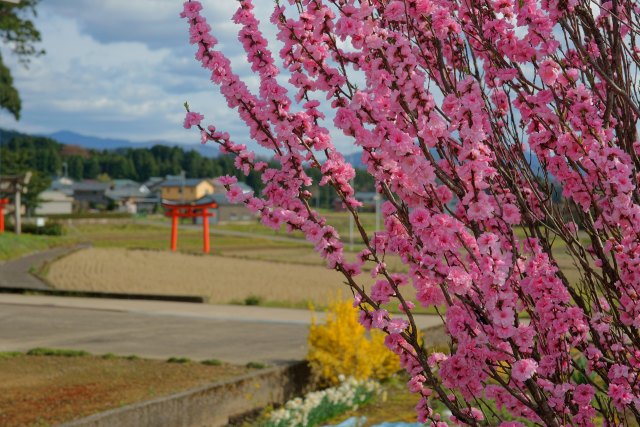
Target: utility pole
{"x":21,"y":187}
{"x":182,"y":183}
{"x":18,"y":212}
{"x":16,"y":184}
{"x":351,"y":223}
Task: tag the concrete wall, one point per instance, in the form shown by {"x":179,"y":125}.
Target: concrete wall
{"x":232,"y":213}
{"x":54,"y":207}
{"x":208,"y":406}
{"x":92,"y":221}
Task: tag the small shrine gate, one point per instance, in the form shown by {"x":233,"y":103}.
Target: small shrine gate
{"x":16,"y":185}
{"x":3,"y":203}
{"x":196,"y":209}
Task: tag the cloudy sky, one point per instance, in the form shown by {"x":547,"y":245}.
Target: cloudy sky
{"x":123,"y":69}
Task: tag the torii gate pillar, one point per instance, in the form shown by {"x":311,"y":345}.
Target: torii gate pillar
{"x":3,"y":203}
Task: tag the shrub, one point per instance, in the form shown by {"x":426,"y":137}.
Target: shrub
{"x":252,"y":300}
{"x":91,"y":215}
{"x":211,"y":362}
{"x":9,"y":354}
{"x":343,"y":347}
{"x":49,"y":229}
{"x":109,"y":356}
{"x":178,"y":360}
{"x":256,"y":365}
{"x":43,"y":351}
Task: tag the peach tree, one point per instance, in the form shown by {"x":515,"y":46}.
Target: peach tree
{"x":470,"y":114}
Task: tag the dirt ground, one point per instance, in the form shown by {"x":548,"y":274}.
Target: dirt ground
{"x":48,"y":390}
{"x":222,"y":279}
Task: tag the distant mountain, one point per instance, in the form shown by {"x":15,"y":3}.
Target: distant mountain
{"x":98,"y":143}
{"x":93,"y":142}
{"x":355,"y":159}
{"x":208,"y":150}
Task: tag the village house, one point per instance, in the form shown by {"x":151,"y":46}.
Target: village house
{"x":54,"y":202}
{"x":186,"y":189}
{"x":128,"y":196}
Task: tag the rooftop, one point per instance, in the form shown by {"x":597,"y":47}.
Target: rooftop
{"x":191,"y":182}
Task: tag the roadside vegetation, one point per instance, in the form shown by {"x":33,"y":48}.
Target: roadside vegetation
{"x":13,"y":246}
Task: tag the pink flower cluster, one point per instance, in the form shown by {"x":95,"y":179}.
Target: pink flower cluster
{"x":449,"y":101}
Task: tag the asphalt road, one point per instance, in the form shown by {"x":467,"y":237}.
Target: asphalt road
{"x":157,"y":329}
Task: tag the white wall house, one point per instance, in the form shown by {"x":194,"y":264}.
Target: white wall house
{"x":54,"y":202}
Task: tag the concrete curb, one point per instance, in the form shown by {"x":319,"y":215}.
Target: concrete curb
{"x":211,"y":405}
{"x":92,"y":294}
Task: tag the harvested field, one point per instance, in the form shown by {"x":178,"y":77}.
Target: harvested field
{"x":48,"y":390}
{"x":221,"y":279}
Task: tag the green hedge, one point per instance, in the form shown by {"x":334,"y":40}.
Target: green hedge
{"x":88,"y":215}
{"x":49,"y":229}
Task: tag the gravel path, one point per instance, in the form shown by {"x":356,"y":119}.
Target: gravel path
{"x":17,"y":273}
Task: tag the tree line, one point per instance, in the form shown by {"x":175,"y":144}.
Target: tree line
{"x":48,"y":158}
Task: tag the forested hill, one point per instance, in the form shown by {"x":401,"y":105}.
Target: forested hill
{"x":46,"y":156}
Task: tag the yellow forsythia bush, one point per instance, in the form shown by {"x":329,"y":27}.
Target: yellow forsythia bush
{"x":343,"y":347}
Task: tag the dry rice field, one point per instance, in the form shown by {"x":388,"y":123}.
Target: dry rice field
{"x":221,"y":279}
{"x":39,"y":391}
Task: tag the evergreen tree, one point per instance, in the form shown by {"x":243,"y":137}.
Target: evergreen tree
{"x":18,"y":32}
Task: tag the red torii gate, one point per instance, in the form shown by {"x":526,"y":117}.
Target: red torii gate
{"x":197,"y":209}
{"x":16,"y":185}
{"x":3,"y":203}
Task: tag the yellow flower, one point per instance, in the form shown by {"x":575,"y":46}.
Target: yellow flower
{"x":342,"y":346}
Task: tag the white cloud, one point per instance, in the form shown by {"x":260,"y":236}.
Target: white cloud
{"x":123,"y":69}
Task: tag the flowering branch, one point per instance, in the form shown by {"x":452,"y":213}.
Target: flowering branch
{"x":458,"y":98}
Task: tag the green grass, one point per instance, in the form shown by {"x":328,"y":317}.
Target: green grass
{"x":394,"y":404}
{"x":256,"y":365}
{"x":14,"y":246}
{"x":10,"y":354}
{"x":109,"y":356}
{"x":339,"y":220}
{"x":60,"y":352}
{"x":212,"y":362}
{"x":178,"y":360}
{"x":91,"y":215}
{"x":148,"y":236}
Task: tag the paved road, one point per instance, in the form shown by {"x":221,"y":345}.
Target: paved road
{"x":17,"y":273}
{"x":157,"y":329}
